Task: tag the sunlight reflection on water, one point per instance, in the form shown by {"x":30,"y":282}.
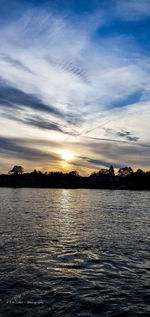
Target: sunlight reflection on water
{"x":74,"y":252}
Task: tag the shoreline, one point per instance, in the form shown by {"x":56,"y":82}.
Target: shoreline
{"x":79,"y":187}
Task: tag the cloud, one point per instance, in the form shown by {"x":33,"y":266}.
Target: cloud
{"x":38,"y":121}
{"x":129,"y":100}
{"x":123,"y":133}
{"x":70,"y":67}
{"x":103,"y":153}
{"x":14,"y":62}
{"x":100,"y":163}
{"x":128,"y":136}
{"x":133,"y":10}
{"x":43,"y":124}
{"x":62,"y":63}
{"x":13,"y":97}
{"x":62,"y":76}
{"x":12,"y":147}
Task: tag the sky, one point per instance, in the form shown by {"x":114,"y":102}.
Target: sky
{"x":74,"y":76}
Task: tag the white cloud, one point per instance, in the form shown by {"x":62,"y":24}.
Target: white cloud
{"x":133,"y":10}
{"x":61,"y":63}
{"x":67,"y":67}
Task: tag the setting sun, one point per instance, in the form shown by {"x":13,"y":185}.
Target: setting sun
{"x":66,"y":155}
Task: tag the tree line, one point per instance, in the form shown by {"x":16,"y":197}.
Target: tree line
{"x":124,"y":178}
{"x":122,"y":172}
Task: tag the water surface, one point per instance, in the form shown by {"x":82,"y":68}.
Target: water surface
{"x":76,"y":252}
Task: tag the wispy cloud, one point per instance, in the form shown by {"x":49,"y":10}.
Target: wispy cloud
{"x":13,"y":97}
{"x":67,"y":66}
{"x":63,"y":79}
{"x":123,"y":134}
{"x":133,"y":10}
{"x":17,"y":149}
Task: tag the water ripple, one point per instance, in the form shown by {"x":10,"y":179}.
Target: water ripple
{"x":74,"y":253}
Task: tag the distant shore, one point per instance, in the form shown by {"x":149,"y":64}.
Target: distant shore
{"x":70,"y":187}
{"x":72,"y":180}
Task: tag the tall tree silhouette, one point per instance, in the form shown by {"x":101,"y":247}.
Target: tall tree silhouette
{"x":16,"y":170}
{"x":111,"y":171}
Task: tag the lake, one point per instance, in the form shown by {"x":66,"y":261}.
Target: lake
{"x":74,"y":252}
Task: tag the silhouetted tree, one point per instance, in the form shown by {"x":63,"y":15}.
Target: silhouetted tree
{"x":35,"y":173}
{"x":94,"y":174}
{"x":111,"y":171}
{"x":16,"y":170}
{"x":40,"y":173}
{"x":103,"y":171}
{"x":73,"y":174}
{"x":125,"y":171}
{"x":139,"y":172}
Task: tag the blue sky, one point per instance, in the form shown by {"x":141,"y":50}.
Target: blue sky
{"x":74,"y":77}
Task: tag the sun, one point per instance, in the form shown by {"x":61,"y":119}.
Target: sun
{"x":66,"y":155}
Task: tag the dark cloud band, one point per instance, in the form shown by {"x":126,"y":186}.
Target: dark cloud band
{"x":16,"y":98}
{"x":12,"y":147}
